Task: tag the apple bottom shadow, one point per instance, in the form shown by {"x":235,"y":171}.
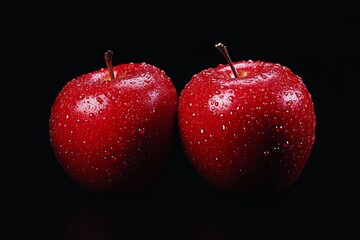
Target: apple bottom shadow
{"x":211,"y":220}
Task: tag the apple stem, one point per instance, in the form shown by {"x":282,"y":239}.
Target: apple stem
{"x":108,"y":60}
{"x":222,"y":48}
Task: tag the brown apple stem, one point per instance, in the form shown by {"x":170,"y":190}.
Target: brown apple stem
{"x":222,"y":48}
{"x":108,"y":60}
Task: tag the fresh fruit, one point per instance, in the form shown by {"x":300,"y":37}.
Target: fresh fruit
{"x":112,"y":129}
{"x":247,"y":127}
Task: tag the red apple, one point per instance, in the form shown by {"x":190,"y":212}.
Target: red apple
{"x":112,"y":129}
{"x":247,"y":127}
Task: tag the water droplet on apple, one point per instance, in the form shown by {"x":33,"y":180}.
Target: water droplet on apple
{"x":266,"y":153}
{"x":142,"y":130}
{"x":81,"y":96}
{"x":248,"y":81}
{"x":92,"y":116}
{"x":278,"y":128}
{"x":107,"y":153}
{"x":108,"y":95}
{"x":286,"y":112}
{"x":276,"y":149}
{"x":99,"y":99}
{"x":118,"y":103}
{"x":224,"y":129}
{"x":201,"y":130}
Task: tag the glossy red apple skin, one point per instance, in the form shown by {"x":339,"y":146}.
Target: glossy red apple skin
{"x":248,"y":135}
{"x":115,"y":136}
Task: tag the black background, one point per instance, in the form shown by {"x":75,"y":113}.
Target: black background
{"x":51,"y":43}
